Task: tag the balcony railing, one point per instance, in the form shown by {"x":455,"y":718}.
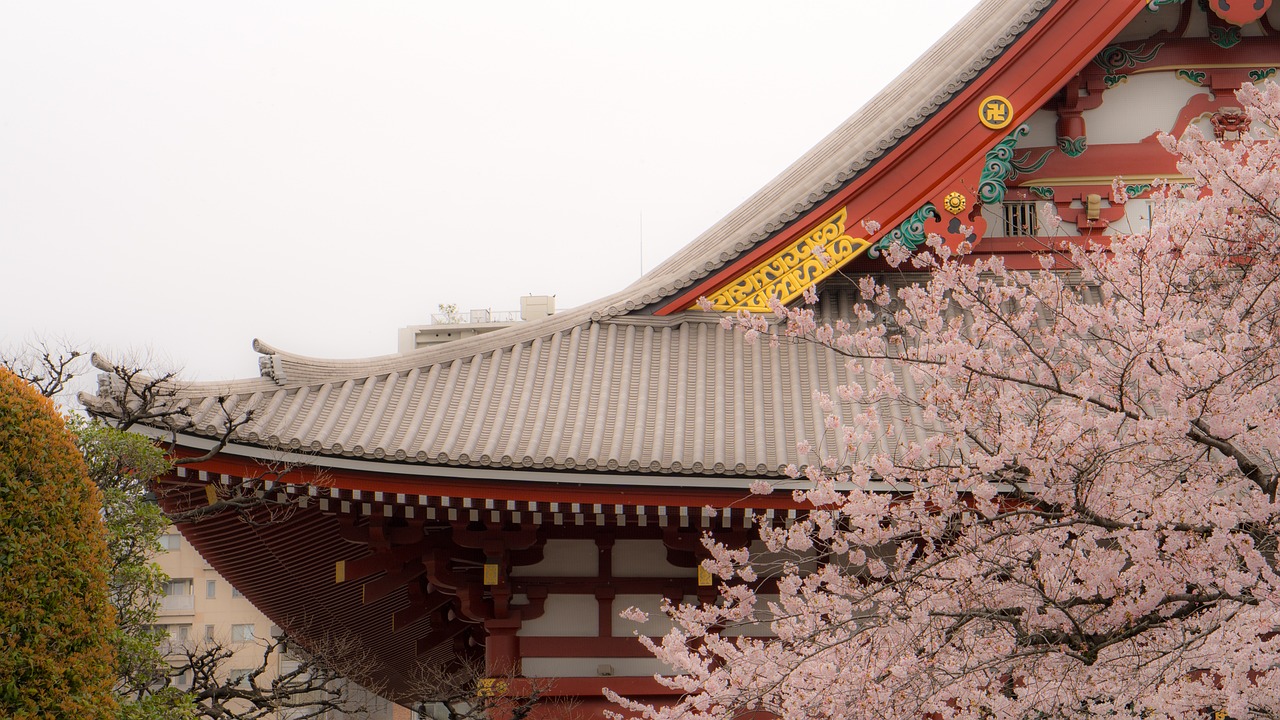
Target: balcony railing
{"x":177,"y":603}
{"x":475,"y":317}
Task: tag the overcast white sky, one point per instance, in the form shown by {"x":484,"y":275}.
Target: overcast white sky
{"x":189,"y":176}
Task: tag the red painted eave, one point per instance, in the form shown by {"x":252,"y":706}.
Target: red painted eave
{"x":497,"y":487}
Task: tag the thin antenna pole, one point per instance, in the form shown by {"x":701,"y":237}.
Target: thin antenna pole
{"x":642,"y":243}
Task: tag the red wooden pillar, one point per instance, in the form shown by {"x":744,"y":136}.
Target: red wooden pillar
{"x":502,"y":647}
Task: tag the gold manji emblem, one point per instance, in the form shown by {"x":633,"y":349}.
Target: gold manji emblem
{"x":996,"y":112}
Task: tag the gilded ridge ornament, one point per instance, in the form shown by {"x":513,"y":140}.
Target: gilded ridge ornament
{"x":810,"y":259}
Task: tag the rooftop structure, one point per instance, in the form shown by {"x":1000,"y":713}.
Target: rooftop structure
{"x":451,"y":324}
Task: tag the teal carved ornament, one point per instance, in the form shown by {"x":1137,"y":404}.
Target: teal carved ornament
{"x":999,"y":167}
{"x":1117,"y":58}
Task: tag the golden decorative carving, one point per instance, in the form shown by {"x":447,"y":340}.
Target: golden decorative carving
{"x":954,"y":203}
{"x":996,"y":112}
{"x":786,"y":274}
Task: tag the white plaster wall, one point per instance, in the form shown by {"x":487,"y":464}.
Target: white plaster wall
{"x":1138,"y":107}
{"x":573,"y":615}
{"x":994,"y":215}
{"x":645,"y":558}
{"x":589,"y":667}
{"x":1137,"y":218}
{"x":1042,"y":129}
{"x":658,"y":623}
{"x":564,"y":558}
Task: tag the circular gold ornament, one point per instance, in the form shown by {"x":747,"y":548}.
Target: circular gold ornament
{"x":996,"y":112}
{"x":954,"y":203}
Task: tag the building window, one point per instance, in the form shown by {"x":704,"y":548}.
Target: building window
{"x":182,"y":680}
{"x":236,"y":593}
{"x":240,"y":676}
{"x":178,"y":586}
{"x":208,"y":633}
{"x":183,"y":634}
{"x":242,"y":633}
{"x":170,"y":543}
{"x":1020,"y":219}
{"x":211,"y":589}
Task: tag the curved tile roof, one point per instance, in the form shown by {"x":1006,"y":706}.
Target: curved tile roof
{"x":602,"y":387}
{"x":689,"y":397}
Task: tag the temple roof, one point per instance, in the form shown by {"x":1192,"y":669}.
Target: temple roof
{"x":609,"y":386}
{"x":684,"y":397}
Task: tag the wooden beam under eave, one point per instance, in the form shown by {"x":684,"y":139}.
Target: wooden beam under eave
{"x":375,"y":590}
{"x":533,"y":646}
{"x":405,"y":617}
{"x":438,"y":637}
{"x":369,"y":565}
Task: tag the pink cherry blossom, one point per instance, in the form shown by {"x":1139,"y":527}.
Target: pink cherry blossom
{"x":1041,"y":495}
{"x":1119,"y":192}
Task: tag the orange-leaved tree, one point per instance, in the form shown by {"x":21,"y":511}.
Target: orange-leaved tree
{"x":55,"y":619}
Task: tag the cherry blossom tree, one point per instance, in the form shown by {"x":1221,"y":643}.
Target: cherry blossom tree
{"x":1072,"y":514}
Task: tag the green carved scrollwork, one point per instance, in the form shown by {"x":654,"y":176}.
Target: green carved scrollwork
{"x":1044,"y":192}
{"x":1073,"y":147}
{"x":998,"y":168}
{"x":1134,"y":191}
{"x":1155,"y":5}
{"x":1026,"y":165}
{"x":1195,"y":77}
{"x":1224,"y":36}
{"x":1262,"y":74}
{"x":910,"y":233}
{"x":1117,"y":57}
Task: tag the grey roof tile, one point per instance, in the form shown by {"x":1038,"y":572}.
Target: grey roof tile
{"x":688,"y":397}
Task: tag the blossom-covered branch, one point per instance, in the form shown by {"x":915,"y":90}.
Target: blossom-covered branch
{"x":1045,"y":494}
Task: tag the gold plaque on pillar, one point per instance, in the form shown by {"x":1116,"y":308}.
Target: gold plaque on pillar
{"x":490,"y":573}
{"x":704,"y":577}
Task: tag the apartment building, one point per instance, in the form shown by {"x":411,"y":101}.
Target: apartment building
{"x":200,"y":606}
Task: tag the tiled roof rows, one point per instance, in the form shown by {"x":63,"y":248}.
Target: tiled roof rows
{"x":689,"y":397}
